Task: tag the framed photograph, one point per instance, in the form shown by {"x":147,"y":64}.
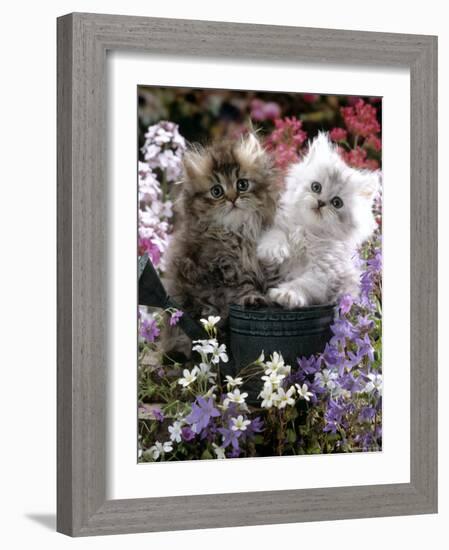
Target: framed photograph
{"x":247,"y":274}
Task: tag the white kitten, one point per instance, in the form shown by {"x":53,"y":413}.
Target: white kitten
{"x":325,"y":213}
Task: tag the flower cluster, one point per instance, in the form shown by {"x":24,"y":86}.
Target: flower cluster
{"x":331,"y":402}
{"x":264,"y":110}
{"x":286,"y":140}
{"x":360,"y":141}
{"x":162,"y":151}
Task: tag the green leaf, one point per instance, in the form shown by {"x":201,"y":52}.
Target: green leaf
{"x":206,"y":455}
{"x":291,"y":436}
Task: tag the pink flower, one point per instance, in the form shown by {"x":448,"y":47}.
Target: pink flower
{"x":286,"y":140}
{"x":310,"y":98}
{"x":175,"y":316}
{"x":373,"y":142}
{"x":338,"y":134}
{"x":272,"y":110}
{"x":361,"y":119}
{"x":346,"y":302}
{"x":358,"y":158}
{"x":261,"y":110}
{"x":149,"y":247}
{"x":149,"y":330}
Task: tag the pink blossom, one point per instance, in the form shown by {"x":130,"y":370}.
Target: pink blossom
{"x":149,"y":247}
{"x":346,"y":302}
{"x":261,"y":110}
{"x":358,"y":158}
{"x":175,"y":316}
{"x":310,"y":98}
{"x":338,"y":134}
{"x":360,"y":119}
{"x":149,"y":330}
{"x":373,"y":142}
{"x":286,"y":140}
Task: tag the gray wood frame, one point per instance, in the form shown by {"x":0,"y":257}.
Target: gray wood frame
{"x":83,"y":40}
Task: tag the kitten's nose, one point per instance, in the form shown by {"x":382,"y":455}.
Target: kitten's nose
{"x":320,"y":203}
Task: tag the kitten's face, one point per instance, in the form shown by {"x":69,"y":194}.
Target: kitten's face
{"x":330,"y":198}
{"x":230,"y":185}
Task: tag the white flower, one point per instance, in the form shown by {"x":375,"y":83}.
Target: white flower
{"x":210,"y":392}
{"x":277,"y":365}
{"x":285,"y":398}
{"x":219,"y":354}
{"x":159,"y":449}
{"x":239,"y":424}
{"x":260,"y":360}
{"x":175,"y":431}
{"x":210,"y":322}
{"x":375,"y":383}
{"x":274,"y":379}
{"x":268,"y":397}
{"x":205,"y":371}
{"x":219,"y":451}
{"x":338,"y":391}
{"x":204,"y":368}
{"x":236,"y":397}
{"x":188,"y":377}
{"x":233,"y":382}
{"x":326,"y":379}
{"x":303,"y":391}
{"x":205,"y":347}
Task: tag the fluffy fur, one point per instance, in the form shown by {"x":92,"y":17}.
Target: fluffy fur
{"x":228,"y":196}
{"x":325,"y":213}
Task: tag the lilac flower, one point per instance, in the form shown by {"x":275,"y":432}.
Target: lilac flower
{"x":149,"y":330}
{"x":175,"y":316}
{"x":342,"y":330}
{"x":158,"y":415}
{"x":234,"y":452}
{"x":367,"y":414}
{"x":351,"y":383}
{"x":346,"y":302}
{"x":332,"y":356}
{"x":230,"y":437}
{"x":333,"y":416}
{"x":187,"y":434}
{"x":310,"y":365}
{"x":364,"y":347}
{"x":202,"y":412}
{"x":366,"y":287}
{"x":163,"y":149}
{"x":256,"y":426}
{"x":375,"y":263}
{"x":364,"y":323}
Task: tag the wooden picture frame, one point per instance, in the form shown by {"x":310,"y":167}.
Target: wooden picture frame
{"x":83,"y":41}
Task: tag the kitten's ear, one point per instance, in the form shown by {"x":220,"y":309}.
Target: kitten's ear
{"x":369,"y":184}
{"x":197,"y":163}
{"x":249,"y":150}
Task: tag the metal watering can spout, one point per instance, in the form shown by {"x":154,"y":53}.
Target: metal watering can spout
{"x":152,"y":293}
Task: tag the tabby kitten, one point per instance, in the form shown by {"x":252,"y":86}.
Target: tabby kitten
{"x":228,"y":196}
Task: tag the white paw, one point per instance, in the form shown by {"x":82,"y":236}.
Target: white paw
{"x":287,"y":297}
{"x":273,"y":253}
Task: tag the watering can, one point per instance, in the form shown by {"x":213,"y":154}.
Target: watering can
{"x":293,"y":333}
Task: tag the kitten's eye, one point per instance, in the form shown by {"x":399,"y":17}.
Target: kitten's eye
{"x":316,"y":187}
{"x":337,"y":202}
{"x":242,"y":185}
{"x":217,"y":191}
